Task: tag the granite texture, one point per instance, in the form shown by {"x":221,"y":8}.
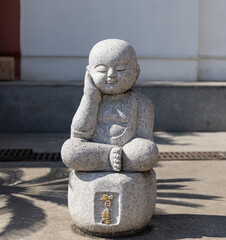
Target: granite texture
{"x":130,"y":209}
{"x":112,"y":133}
{"x":111,"y":114}
{"x":132,"y":138}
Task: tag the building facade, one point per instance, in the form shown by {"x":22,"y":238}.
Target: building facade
{"x":181,"y":48}
{"x":176,"y":40}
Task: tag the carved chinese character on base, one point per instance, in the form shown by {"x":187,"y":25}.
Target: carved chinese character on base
{"x":106,"y":213}
{"x":112,"y":189}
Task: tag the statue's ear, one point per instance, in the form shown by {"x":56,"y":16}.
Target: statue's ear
{"x":138,"y":70}
{"x":87,"y":67}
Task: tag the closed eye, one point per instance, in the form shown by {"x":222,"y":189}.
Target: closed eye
{"x":120,"y":68}
{"x":102,"y":68}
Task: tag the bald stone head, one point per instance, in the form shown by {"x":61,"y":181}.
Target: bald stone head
{"x":113,"y":66}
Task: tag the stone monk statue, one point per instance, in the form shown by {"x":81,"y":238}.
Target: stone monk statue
{"x":112,"y":188}
{"x":112,"y":129}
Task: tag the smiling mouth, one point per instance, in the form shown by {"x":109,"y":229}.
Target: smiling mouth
{"x":112,"y":81}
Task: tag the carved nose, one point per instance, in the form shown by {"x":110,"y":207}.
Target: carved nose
{"x":111,"y":73}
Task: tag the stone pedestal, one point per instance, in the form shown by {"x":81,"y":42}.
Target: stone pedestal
{"x":106,"y":203}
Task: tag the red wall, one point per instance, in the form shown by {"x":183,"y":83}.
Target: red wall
{"x":10,"y":31}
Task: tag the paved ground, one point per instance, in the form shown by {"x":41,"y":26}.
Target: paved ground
{"x":191,"y":202}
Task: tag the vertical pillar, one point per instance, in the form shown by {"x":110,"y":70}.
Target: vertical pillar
{"x":10,"y":31}
{"x":212,"y":40}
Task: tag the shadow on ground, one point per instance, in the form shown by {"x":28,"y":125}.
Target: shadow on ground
{"x":179,"y":226}
{"x":26,"y":218}
{"x":169,"y":139}
{"x":19,"y":195}
{"x":168,"y":197}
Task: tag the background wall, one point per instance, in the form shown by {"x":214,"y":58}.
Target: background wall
{"x":56,"y":36}
{"x":182,"y":40}
{"x":176,"y":40}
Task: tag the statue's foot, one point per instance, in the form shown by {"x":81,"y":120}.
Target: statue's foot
{"x":115,"y":159}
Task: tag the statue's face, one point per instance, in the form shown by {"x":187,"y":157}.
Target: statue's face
{"x":113,"y":72}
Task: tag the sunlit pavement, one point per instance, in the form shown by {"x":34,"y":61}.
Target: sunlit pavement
{"x":191,"y":202}
{"x":180,"y":141}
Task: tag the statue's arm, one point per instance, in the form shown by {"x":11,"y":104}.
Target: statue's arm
{"x":141,"y":153}
{"x":145,"y":121}
{"x":78,"y":152}
{"x":85,"y":119}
